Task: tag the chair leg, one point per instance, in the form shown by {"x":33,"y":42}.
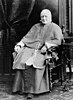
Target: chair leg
{"x":70,"y":71}
{"x":50,"y":79}
{"x":62,"y":75}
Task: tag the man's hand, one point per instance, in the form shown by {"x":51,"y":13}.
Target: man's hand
{"x":17,"y":48}
{"x":43,"y":50}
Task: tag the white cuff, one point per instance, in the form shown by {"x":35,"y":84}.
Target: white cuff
{"x":49,"y":44}
{"x":20,"y":43}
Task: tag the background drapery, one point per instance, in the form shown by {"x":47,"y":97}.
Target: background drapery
{"x":16,"y":18}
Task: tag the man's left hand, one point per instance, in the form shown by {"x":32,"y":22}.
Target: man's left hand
{"x":43,"y":50}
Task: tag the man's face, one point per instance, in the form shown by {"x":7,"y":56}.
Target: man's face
{"x":45,"y":17}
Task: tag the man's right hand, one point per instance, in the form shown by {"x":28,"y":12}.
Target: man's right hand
{"x":17,"y":48}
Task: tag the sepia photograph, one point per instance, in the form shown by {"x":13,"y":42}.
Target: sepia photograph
{"x":36,"y":49}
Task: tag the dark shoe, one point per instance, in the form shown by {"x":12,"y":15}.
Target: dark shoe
{"x":65,"y":88}
{"x":29,"y":96}
{"x":14,"y":93}
{"x":21,"y":93}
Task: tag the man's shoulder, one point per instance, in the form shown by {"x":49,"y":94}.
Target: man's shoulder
{"x":37,"y":24}
{"x":55,"y":25}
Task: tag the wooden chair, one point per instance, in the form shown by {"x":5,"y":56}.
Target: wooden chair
{"x":57,"y":65}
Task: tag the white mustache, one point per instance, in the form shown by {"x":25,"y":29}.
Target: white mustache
{"x":41,"y":20}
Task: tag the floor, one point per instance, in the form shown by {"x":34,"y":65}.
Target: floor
{"x":64,"y":92}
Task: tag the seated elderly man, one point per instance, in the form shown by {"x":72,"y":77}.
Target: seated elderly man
{"x":32,"y":73}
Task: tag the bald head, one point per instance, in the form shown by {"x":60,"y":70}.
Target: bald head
{"x":46,"y":16}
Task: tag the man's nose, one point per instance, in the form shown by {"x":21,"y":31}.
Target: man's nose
{"x":44,"y":17}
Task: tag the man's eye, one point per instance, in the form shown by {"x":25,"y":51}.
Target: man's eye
{"x":42,"y":16}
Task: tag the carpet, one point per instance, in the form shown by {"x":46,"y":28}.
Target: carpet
{"x":64,"y":92}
